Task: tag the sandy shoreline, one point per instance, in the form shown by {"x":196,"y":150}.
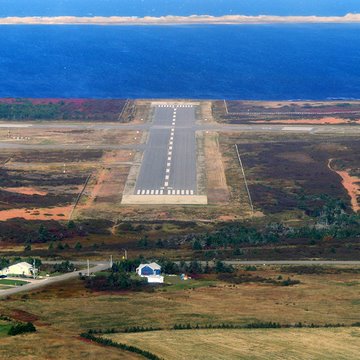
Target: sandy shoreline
{"x":177,"y":20}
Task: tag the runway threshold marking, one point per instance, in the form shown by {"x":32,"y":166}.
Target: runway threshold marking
{"x":166,"y":190}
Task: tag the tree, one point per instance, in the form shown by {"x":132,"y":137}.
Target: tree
{"x":78,"y":246}
{"x":65,"y":266}
{"x":195,"y":267}
{"x":197,"y":245}
{"x":4,"y":263}
{"x":71,"y":225}
{"x":43,"y":234}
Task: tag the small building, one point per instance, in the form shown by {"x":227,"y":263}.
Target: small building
{"x":22,"y":268}
{"x":151,"y":271}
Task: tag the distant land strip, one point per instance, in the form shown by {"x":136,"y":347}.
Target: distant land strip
{"x":174,"y":20}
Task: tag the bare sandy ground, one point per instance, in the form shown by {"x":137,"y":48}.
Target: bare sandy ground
{"x":26,"y":191}
{"x":56,"y":213}
{"x":173,"y":20}
{"x":352,"y":186}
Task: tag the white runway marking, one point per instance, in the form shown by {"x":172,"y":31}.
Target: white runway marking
{"x":156,"y":192}
{"x":167,"y":170}
{"x":161,"y":192}
{"x":152,"y":192}
{"x":139,"y":192}
{"x":166,"y":183}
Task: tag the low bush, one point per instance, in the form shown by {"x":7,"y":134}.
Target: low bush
{"x":21,"y":328}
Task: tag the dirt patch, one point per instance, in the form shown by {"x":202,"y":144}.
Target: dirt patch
{"x":57,"y":213}
{"x":22,"y":315}
{"x":217,"y":189}
{"x":352,"y":186}
{"x":26,"y":191}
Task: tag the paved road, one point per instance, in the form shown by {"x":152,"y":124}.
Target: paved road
{"x":169,"y":162}
{"x":286,"y":262}
{"x":293,"y":262}
{"x":216,"y":127}
{"x":52,"y":280}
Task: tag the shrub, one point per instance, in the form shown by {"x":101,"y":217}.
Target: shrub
{"x":21,"y":328}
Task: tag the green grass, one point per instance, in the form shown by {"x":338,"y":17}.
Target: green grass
{"x":4,"y":328}
{"x":13,"y":282}
{"x":175,"y":283}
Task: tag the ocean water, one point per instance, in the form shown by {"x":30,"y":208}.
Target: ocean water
{"x":232,"y":62}
{"x":176,"y":7}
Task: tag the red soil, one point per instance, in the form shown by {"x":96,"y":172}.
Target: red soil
{"x":22,"y":315}
{"x":58,"y":213}
{"x":26,"y":191}
{"x":352,"y":186}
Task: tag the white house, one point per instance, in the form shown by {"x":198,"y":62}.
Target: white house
{"x":22,"y":268}
{"x":151,"y":271}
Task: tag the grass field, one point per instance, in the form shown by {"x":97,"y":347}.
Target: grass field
{"x":4,"y":328}
{"x":60,"y":313}
{"x":275,"y":344}
{"x":12,"y":282}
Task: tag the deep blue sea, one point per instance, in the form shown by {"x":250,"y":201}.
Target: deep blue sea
{"x":233,"y":62}
{"x":176,"y":7}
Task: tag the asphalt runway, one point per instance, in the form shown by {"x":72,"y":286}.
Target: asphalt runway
{"x":169,"y":162}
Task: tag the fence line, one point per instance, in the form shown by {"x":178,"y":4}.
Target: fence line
{"x":79,"y":196}
{"x":245,"y":181}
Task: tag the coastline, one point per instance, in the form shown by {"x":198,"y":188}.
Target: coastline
{"x":179,"y":20}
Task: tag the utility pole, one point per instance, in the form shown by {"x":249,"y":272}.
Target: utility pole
{"x":111,"y":261}
{"x":34,"y":269}
{"x":88,"y":267}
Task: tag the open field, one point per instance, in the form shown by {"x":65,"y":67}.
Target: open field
{"x":275,"y":344}
{"x":66,"y":109}
{"x":287,"y":112}
{"x":294,"y":174}
{"x":62,"y":137}
{"x":12,"y":282}
{"x":291,"y":176}
{"x":61,"y":312}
